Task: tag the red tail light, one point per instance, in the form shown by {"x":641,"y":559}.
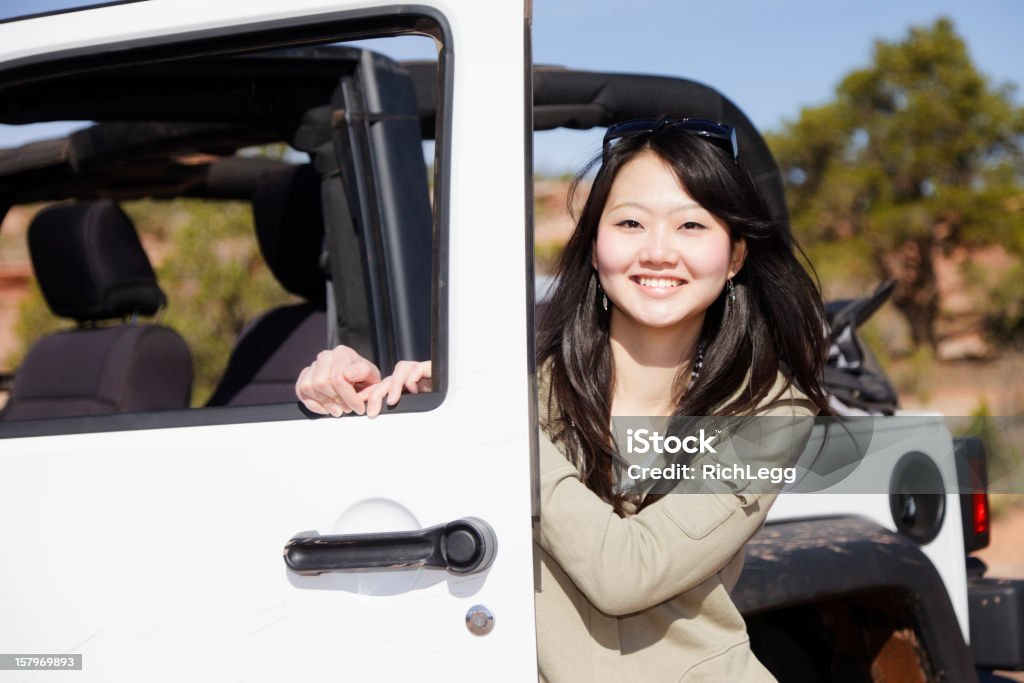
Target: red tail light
{"x":979,"y":507}
{"x":972,"y":472}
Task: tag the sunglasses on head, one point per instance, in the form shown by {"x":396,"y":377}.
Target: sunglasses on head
{"x":718,"y":134}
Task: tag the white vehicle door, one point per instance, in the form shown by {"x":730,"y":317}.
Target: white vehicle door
{"x":152,"y":544}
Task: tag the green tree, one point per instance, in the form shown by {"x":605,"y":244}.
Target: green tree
{"x":215,"y":279}
{"x":916,"y":152}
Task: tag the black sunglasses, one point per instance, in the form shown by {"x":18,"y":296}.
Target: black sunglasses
{"x":718,"y":134}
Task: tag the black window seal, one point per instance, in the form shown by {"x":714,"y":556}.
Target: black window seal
{"x":188,"y":417}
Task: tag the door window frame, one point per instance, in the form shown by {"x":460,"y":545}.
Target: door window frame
{"x":337,"y":26}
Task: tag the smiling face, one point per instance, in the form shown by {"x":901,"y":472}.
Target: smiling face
{"x":662,"y":259}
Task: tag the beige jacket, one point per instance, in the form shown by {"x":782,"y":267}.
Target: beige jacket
{"x":646,"y":597}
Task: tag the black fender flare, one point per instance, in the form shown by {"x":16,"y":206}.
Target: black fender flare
{"x":791,"y":563}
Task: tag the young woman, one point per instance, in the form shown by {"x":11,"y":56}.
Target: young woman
{"x":677,"y":295}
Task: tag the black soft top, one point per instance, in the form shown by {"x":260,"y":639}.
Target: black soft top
{"x":172,"y":128}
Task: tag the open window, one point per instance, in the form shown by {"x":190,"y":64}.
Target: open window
{"x":287,"y":187}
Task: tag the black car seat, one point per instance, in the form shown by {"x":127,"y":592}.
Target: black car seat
{"x":91,"y":267}
{"x":273,"y":348}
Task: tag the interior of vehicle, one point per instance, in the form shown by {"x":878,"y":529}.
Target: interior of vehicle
{"x":200,"y":129}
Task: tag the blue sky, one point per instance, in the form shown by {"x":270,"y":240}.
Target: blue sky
{"x":771,"y":58}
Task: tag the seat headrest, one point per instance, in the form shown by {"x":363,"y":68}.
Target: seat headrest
{"x":90,"y":264}
{"x":290,"y":229}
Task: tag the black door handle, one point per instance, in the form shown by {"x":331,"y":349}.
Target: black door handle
{"x":465,"y":546}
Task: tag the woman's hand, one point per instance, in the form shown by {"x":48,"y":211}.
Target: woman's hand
{"x":338,"y":382}
{"x":412,"y":376}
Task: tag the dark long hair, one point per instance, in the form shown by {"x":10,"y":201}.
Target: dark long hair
{"x":776,"y":321}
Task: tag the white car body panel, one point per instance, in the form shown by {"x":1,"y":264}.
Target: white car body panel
{"x":157,"y":554}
